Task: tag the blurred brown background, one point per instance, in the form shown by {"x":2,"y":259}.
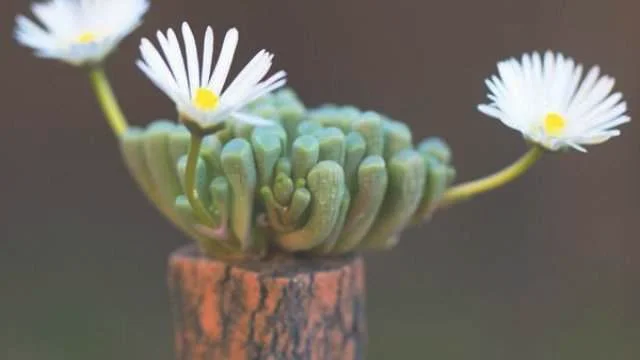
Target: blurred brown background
{"x":547,"y":268}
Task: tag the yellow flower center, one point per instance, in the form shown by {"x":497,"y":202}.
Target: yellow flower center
{"x":205,"y":100}
{"x":554,"y":124}
{"x":87,"y":37}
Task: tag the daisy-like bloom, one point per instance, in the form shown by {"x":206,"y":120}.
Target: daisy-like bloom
{"x":79,"y":31}
{"x":197,"y":88}
{"x":550,"y":103}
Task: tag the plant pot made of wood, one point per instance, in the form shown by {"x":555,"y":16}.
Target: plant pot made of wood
{"x":281,"y":308}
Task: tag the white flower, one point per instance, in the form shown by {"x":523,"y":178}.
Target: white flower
{"x":549,"y":102}
{"x":79,"y":31}
{"x":197,"y":90}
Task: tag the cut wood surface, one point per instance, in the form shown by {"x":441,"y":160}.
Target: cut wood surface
{"x":281,"y":309}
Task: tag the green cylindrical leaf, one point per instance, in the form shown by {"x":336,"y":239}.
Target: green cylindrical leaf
{"x":242,"y":129}
{"x":283,"y":189}
{"x":436,"y":147}
{"x":299,"y":204}
{"x":372,"y":186}
{"x":308,"y":128}
{"x":283,"y":166}
{"x":406,"y":181}
{"x":439,"y":176}
{"x":370,"y":127}
{"x":328,"y":245}
{"x":332,"y":144}
{"x":267,"y":149}
{"x":436,"y":155}
{"x":291,"y":114}
{"x":239,"y":168}
{"x":274,"y":211}
{"x":131,"y":144}
{"x":279,"y":132}
{"x":333,"y":116}
{"x":304,"y":155}
{"x":326,"y":183}
{"x":179,"y":141}
{"x":286,"y":96}
{"x":267,"y":112}
{"x":356,"y":148}
{"x":160,"y":164}
{"x":397,"y":138}
{"x":220,"y":201}
{"x":210,"y":152}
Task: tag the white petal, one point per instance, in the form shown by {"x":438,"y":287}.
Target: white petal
{"x":157,"y":81}
{"x":207,"y":57}
{"x":223,"y":65}
{"x":600,"y":111}
{"x":493,"y":85}
{"x":251,"y":119}
{"x":172,"y":52}
{"x":585,"y":87}
{"x":30,"y":34}
{"x":193,"y":68}
{"x":577,"y":147}
{"x":248,"y":77}
{"x":158,"y":66}
{"x":548,"y":68}
{"x":611,"y":119}
{"x":572,"y":87}
{"x":57,"y":16}
{"x":597,"y":138}
{"x":274,"y":82}
{"x":537,"y":69}
{"x":490,"y":111}
{"x":602,"y":88}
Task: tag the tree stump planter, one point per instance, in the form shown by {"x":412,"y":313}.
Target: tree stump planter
{"x":280,"y":309}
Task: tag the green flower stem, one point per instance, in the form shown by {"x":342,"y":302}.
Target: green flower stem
{"x":107,"y":100}
{"x":472,"y":188}
{"x":200,"y":211}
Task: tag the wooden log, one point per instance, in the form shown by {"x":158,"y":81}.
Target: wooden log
{"x":280,"y":309}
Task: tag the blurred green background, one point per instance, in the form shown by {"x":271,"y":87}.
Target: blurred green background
{"x":547,"y":268}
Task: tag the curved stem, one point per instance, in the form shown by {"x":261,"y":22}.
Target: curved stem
{"x":200,"y":211}
{"x":107,"y":100}
{"x":488,"y":183}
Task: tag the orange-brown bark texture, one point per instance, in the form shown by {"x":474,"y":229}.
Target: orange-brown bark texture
{"x":282,"y":309}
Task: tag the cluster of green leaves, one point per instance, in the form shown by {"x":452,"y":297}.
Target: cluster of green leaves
{"x":320,"y":181}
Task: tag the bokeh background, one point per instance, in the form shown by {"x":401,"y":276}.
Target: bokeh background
{"x":546,"y":268}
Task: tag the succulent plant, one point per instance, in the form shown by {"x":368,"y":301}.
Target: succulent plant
{"x":320,"y":181}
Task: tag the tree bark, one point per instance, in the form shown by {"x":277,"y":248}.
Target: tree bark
{"x":280,"y":309}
